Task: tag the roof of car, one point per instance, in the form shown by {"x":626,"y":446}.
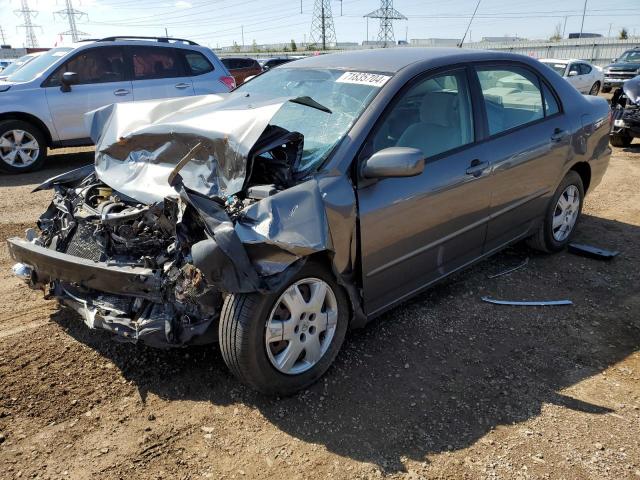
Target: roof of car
{"x":559,"y":60}
{"x":387,"y":59}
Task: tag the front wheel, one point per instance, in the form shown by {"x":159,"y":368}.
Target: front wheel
{"x":595,"y":88}
{"x":22,"y":147}
{"x":282,"y":342}
{"x":622,"y":141}
{"x":561,"y":216}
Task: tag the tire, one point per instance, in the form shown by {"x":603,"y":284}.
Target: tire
{"x":548,"y":240}
{"x":243,"y":334}
{"x":22,"y":159}
{"x":606,"y":89}
{"x":621,"y":141}
{"x":595,"y":88}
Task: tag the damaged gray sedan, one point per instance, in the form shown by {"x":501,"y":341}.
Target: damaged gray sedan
{"x":312,"y":199}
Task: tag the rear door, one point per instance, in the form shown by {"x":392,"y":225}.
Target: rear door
{"x":102,"y":81}
{"x":203,"y":75}
{"x":528,"y":145}
{"x":158,"y":73}
{"x":418,"y":229}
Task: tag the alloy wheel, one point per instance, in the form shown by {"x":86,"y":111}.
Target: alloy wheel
{"x":566,"y":213}
{"x":18,"y":148}
{"x":301,"y":326}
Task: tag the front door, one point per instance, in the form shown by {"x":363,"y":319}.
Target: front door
{"x":101,"y":81}
{"x":159,"y":73}
{"x":415,"y":230}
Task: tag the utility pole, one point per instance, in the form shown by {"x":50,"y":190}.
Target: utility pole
{"x":584,"y":11}
{"x":609,"y":34}
{"x":242,"y":35}
{"x":564,"y":27}
{"x":71,"y":14}
{"x":166,"y":32}
{"x":322,"y":29}
{"x":387,"y":14}
{"x":29,"y":28}
{"x":4,"y":40}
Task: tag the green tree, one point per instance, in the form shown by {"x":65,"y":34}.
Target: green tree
{"x":557,"y":33}
{"x":236,"y":47}
{"x":294,"y":47}
{"x":624,"y":34}
{"x":254,"y":46}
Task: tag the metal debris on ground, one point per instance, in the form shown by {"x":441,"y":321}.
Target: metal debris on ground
{"x":591,"y":251}
{"x":510,"y":270}
{"x":533,"y":303}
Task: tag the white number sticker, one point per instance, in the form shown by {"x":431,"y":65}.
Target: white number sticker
{"x":363,"y":78}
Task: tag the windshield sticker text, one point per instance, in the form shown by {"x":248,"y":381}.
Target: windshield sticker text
{"x":362,"y":78}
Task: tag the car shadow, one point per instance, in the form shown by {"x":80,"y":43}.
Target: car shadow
{"x":59,"y":161}
{"x":441,"y":371}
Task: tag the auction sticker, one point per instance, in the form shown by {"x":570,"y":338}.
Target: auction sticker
{"x":363,"y":78}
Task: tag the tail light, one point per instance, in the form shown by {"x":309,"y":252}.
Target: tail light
{"x":228,"y":81}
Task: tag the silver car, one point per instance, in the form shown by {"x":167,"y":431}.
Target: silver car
{"x":43,"y":103}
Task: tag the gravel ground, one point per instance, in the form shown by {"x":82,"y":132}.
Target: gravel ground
{"x":445,"y":386}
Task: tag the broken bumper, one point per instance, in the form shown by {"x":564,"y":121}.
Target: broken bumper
{"x":48,"y":265}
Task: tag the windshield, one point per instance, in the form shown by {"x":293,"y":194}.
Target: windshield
{"x":346,"y":94}
{"x":631,"y":56}
{"x":38,"y":65}
{"x":17,"y":64}
{"x":559,"y":68}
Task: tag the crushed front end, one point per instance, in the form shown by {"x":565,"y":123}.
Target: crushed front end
{"x":120,"y":264}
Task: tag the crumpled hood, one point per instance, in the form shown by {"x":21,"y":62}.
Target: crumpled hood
{"x":139,"y":144}
{"x":631,"y":89}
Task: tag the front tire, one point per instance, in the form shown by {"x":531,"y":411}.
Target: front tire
{"x":23,"y":147}
{"x":622,"y":141}
{"x":561,"y":217}
{"x":282,"y":342}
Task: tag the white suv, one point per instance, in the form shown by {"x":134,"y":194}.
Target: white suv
{"x":43,"y":103}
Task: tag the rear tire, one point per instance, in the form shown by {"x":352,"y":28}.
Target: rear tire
{"x":23,"y":147}
{"x":621,"y":141}
{"x":595,"y":88}
{"x":248,"y":346}
{"x":606,"y":89}
{"x":559,"y":223}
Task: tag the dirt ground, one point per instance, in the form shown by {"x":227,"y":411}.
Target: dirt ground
{"x":445,"y":386}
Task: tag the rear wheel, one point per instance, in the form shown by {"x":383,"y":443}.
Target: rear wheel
{"x":622,"y":140}
{"x":22,"y":147}
{"x":561,"y":216}
{"x":282,"y":342}
{"x":595,"y":88}
{"x":606,"y":89}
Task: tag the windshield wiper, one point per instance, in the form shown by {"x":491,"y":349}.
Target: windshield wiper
{"x":310,"y":102}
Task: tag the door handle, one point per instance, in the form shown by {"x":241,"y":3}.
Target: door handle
{"x":477,"y":168}
{"x":121,"y":92}
{"x":558,"y":135}
{"x":182,"y":86}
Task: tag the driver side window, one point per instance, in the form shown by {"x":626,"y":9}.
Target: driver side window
{"x":97,"y":65}
{"x":434,"y":115}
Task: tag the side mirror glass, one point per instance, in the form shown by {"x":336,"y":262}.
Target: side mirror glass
{"x":394,"y":162}
{"x":68,"y":79}
{"x":573,"y":73}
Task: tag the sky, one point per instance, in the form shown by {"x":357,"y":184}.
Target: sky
{"x":221,"y":22}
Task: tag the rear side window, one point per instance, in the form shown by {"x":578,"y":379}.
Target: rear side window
{"x":155,"y":62}
{"x":551,"y":106}
{"x":230,"y":63}
{"x":584,"y":69}
{"x":198,"y":63}
{"x":95,"y":65}
{"x":512,"y":97}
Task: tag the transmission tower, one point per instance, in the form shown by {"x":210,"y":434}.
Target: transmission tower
{"x":322,"y":30}
{"x":387,"y":14}
{"x":29,"y":28}
{"x":71,"y":14}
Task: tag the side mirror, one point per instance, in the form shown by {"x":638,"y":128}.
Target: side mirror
{"x":614,"y":60}
{"x":573,"y":73}
{"x":68,"y":79}
{"x":394,"y":162}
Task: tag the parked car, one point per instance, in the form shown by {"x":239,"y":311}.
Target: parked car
{"x":625,"y":67}
{"x":241,"y":68}
{"x":625,"y":113}
{"x":42,"y":104}
{"x":4,"y":63}
{"x":311,"y":200}
{"x":4,"y":74}
{"x":587,"y":78}
{"x":274,"y":62}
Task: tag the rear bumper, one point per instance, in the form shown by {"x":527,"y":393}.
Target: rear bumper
{"x":48,"y":265}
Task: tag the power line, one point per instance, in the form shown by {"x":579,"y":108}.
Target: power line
{"x":29,"y":28}
{"x":387,"y":14}
{"x":322,"y":30}
{"x":71,"y":13}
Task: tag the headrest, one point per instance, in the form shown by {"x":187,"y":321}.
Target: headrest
{"x":438,"y":108}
